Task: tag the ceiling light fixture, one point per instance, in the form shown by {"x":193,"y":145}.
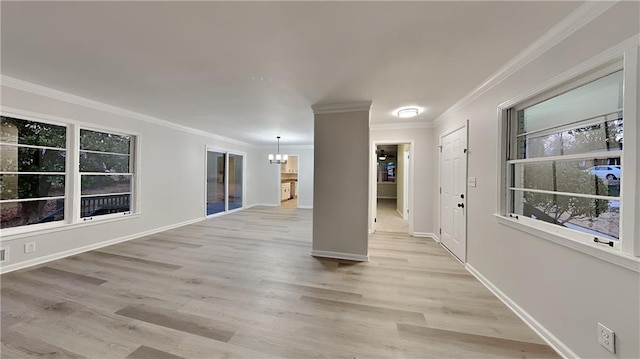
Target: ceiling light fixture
{"x":408,"y":112}
{"x":278,"y":158}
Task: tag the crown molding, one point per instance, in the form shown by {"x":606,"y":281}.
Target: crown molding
{"x":342,"y":107}
{"x":400,"y":126}
{"x":580,"y":17}
{"x":114,"y":110}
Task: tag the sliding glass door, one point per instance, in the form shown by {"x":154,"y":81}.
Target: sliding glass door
{"x":216,"y":182}
{"x":235,"y":181}
{"x":225,"y":181}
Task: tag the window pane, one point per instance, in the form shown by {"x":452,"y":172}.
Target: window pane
{"x":597,"y":217}
{"x":598,"y":97}
{"x":100,"y":205}
{"x":17,"y":131}
{"x":235,"y":181}
{"x":105,"y":184}
{"x":605,"y":134}
{"x":14,"y":186}
{"x":14,"y":214}
{"x":107,"y":163}
{"x":581,"y":176}
{"x":25,"y":159}
{"x":104,"y":142}
{"x":215,"y":182}
{"x":386,"y":172}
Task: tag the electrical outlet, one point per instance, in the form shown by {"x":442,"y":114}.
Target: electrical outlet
{"x":30,"y":247}
{"x":607,"y":338}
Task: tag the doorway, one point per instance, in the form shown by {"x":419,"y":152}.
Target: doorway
{"x":289,"y":183}
{"x":391,"y":190}
{"x":453,"y":192}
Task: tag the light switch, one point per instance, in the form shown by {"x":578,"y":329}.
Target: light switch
{"x":471,"y":181}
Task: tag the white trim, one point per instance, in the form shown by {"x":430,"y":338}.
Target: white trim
{"x":630,"y":227}
{"x":575,"y":157}
{"x":74,"y":251}
{"x":386,"y":197}
{"x":600,"y":59}
{"x":340,"y":255}
{"x":51,"y":227}
{"x":580,"y":17}
{"x":567,"y":194}
{"x":400,"y":126}
{"x":425,"y":235}
{"x":100,"y":106}
{"x":399,"y":212}
{"x":612,"y":256}
{"x":341,"y":107}
{"x":538,"y":328}
{"x":261,"y":205}
{"x":305,"y":207}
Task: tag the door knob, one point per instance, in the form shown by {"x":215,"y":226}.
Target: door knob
{"x":461,"y":205}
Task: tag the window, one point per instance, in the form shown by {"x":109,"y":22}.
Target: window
{"x":33,"y":172}
{"x":565,"y":158}
{"x":215,"y":182}
{"x":59,"y":173}
{"x":106,"y":176}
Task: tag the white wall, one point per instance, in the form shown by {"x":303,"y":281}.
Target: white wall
{"x":566,"y":291}
{"x":172,"y":179}
{"x":423,"y":153}
{"x":264,"y":182}
{"x":387,"y":190}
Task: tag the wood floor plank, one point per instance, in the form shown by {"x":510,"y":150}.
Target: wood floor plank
{"x":144,"y":352}
{"x":179,"y":321}
{"x":70,"y":276}
{"x":244,"y":285}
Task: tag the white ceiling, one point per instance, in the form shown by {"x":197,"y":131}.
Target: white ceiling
{"x":252,"y":70}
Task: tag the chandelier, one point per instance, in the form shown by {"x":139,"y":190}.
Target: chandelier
{"x":278,"y":158}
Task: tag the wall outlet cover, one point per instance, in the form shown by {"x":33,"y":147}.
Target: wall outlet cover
{"x":607,"y":338}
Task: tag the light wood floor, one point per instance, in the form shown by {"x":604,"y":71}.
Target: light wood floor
{"x":244,"y":285}
{"x":387,"y":217}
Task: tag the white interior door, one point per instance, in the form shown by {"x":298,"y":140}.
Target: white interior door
{"x":453,"y":188}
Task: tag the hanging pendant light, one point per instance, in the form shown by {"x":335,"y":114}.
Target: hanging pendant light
{"x":278,"y":158}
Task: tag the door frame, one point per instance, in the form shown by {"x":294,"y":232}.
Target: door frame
{"x":373,"y":182}
{"x":279,"y":183}
{"x":438,"y":239}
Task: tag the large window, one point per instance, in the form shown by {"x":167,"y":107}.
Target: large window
{"x":33,"y":177}
{"x":62,"y":173}
{"x":565,"y":162}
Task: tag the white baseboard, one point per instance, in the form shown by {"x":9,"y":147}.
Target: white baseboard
{"x":340,"y":255}
{"x":387,"y":197}
{"x":305,"y":207}
{"x":545,"y":334}
{"x":262,"y":205}
{"x":425,"y":235}
{"x":51,"y":257}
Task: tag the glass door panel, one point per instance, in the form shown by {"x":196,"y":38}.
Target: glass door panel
{"x":235,"y":181}
{"x":215,"y":182}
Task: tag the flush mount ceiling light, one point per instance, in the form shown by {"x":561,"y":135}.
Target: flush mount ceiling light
{"x":278,"y":158}
{"x":407,"y":112}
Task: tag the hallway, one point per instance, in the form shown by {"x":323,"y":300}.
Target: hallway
{"x":388,"y":218}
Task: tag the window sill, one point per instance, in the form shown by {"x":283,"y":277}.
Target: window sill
{"x":623,"y":260}
{"x":29,"y":232}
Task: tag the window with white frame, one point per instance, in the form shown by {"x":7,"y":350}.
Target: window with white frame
{"x":33,"y":172}
{"x":106,"y":173}
{"x":565,"y":161}
{"x":37,"y":174}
